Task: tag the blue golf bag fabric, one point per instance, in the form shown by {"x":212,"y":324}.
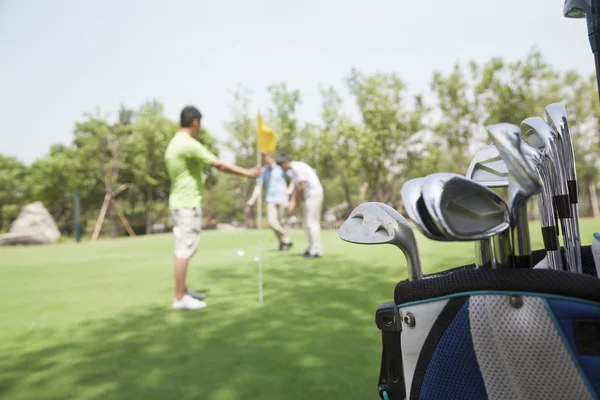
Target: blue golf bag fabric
{"x":498,"y":334}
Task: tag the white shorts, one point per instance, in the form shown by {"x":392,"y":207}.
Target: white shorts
{"x":188,"y":224}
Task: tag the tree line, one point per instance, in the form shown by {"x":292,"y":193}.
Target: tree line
{"x":399,"y":135}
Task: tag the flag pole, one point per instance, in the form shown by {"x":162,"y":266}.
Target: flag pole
{"x":258,"y":227}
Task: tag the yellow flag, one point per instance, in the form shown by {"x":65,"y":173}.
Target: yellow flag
{"x":266,"y":139}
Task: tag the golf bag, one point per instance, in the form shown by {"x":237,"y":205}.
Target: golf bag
{"x":480,"y":333}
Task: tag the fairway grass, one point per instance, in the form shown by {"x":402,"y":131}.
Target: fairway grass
{"x":92,"y":321}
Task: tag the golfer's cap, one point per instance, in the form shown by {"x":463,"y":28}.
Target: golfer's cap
{"x":281,"y":158}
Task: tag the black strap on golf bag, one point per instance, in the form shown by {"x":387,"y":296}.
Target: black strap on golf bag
{"x":391,"y":374}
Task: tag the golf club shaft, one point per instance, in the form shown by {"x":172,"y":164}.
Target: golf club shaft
{"x":597,"y":64}
{"x":576,"y":232}
{"x":483,"y":254}
{"x":550,"y":234}
{"x":567,"y":225}
{"x":502,"y":250}
{"x":521,"y":244}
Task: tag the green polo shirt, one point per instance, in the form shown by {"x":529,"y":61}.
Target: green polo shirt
{"x":185,"y":159}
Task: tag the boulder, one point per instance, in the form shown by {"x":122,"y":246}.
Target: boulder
{"x":34,"y":225}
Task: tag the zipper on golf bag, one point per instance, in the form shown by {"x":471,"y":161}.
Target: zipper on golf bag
{"x":391,"y":374}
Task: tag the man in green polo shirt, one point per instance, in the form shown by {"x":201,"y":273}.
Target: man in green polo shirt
{"x":185,"y":159}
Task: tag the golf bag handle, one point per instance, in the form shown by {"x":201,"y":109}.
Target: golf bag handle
{"x":391,"y":375}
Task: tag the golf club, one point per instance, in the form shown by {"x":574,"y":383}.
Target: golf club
{"x":524,"y":184}
{"x":590,"y":10}
{"x":539,"y":134}
{"x":377,"y":223}
{"x":556,"y":114}
{"x":545,"y":205}
{"x":417,"y":212}
{"x":464,"y":210}
{"x":487,"y":169}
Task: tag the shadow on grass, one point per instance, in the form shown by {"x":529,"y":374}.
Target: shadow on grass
{"x":313,"y":338}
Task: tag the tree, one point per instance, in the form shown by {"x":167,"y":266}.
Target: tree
{"x":53,"y":179}
{"x":283,"y":114}
{"x":458,"y":119}
{"x":103,"y":143}
{"x":389,"y":127}
{"x":13,"y":188}
{"x":337,"y":152}
{"x":145,"y":154}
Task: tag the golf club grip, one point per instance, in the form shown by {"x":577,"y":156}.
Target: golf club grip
{"x":597,"y":62}
{"x":550,"y":236}
{"x":572,"y":191}
{"x":563,"y":206}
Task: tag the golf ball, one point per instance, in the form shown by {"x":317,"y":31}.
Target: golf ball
{"x":241,"y":253}
{"x":256,"y":258}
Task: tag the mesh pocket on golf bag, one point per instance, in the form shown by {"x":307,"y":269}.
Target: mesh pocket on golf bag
{"x":499,"y":346}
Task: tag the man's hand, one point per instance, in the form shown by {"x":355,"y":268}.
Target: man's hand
{"x":254,"y":172}
{"x":250,"y":204}
{"x":289,"y":192}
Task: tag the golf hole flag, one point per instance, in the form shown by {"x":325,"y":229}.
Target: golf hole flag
{"x":266,"y":139}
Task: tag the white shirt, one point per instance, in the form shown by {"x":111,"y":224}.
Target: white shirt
{"x":302,"y":172}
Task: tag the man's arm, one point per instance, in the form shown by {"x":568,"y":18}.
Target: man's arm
{"x":198,"y":151}
{"x":290,"y":189}
{"x":235,"y":169}
{"x":255,"y":194}
{"x":297,"y":197}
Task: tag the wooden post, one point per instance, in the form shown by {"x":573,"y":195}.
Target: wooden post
{"x":100,"y":220}
{"x":122,"y":217}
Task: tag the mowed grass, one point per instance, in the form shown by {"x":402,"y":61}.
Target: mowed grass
{"x":92,"y":321}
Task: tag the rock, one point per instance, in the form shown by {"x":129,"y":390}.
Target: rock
{"x":34,"y":225}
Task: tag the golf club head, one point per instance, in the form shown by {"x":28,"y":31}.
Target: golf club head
{"x":464,"y":210}
{"x":507,"y":138}
{"x":545,"y":204}
{"x":377,"y":223}
{"x":539,"y":134}
{"x":577,"y":8}
{"x":488,"y":169}
{"x":556,"y":115}
{"x":416,"y":210}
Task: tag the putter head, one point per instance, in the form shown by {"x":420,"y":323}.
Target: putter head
{"x":416,"y":210}
{"x":488,"y":169}
{"x":464,"y":210}
{"x":507,"y":138}
{"x":377,"y":223}
{"x":577,"y":8}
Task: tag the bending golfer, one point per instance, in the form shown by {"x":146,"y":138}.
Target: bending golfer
{"x":185,"y":159}
{"x":273,"y":179}
{"x":308,"y":187}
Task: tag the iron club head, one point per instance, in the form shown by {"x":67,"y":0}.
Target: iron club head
{"x":377,"y":223}
{"x":524,"y":183}
{"x":488,"y":169}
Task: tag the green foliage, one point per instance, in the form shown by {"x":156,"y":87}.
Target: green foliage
{"x":398,"y":135}
{"x":13,"y":188}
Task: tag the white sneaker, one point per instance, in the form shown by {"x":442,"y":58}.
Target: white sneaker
{"x":187,"y":302}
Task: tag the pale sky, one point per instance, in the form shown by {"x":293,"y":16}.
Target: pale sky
{"x":61,"y":58}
